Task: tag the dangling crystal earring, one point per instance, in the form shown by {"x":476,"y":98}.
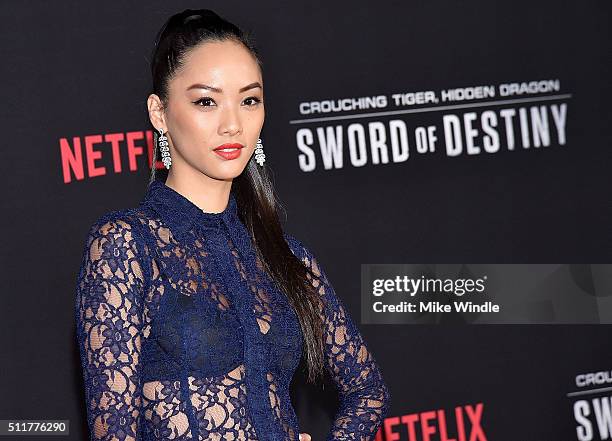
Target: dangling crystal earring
{"x":162,"y":142}
{"x":260,"y":156}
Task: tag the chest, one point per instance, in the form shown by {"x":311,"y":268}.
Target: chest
{"x":206,"y":301}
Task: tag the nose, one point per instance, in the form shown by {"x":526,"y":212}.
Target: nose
{"x":230,"y":123}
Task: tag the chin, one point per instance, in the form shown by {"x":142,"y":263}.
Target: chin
{"x":226,"y":172}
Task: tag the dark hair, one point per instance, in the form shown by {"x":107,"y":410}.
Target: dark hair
{"x":253,"y":189}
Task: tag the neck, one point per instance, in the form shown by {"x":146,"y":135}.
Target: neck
{"x":208,"y":194}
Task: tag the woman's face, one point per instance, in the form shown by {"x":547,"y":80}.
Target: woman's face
{"x":215,"y":98}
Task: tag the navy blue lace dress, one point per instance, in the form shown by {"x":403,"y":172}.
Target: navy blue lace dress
{"x":182,"y":335}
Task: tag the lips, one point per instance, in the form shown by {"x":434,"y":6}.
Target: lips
{"x":229,"y":147}
{"x":229,"y":151}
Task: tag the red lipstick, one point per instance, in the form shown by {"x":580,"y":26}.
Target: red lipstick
{"x":229,"y":151}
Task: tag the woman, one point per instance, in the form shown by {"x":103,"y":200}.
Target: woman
{"x":194,"y":308}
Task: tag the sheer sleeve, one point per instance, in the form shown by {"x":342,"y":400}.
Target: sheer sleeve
{"x":109,"y":319}
{"x":364,"y":396}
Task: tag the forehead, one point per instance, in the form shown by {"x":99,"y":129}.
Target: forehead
{"x":219,"y":63}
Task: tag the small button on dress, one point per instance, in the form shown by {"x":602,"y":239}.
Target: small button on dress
{"x":183,"y":336}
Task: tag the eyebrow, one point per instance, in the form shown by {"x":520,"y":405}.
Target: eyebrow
{"x":218,"y":90}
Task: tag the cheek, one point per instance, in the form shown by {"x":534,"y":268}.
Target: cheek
{"x":192,"y":129}
{"x":254,"y":125}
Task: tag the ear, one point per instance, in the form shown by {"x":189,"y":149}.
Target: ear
{"x":156,"y":112}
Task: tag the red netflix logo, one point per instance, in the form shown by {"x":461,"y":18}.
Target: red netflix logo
{"x":80,"y":157}
{"x":463,"y":425}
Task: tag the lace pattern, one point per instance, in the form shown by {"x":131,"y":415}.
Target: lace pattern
{"x":364,"y":396}
{"x":183,"y":336}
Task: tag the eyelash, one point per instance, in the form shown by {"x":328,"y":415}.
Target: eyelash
{"x":257,"y":101}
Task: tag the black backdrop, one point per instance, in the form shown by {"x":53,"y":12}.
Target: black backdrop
{"x":74,"y":70}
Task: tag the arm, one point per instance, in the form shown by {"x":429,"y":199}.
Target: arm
{"x":364,"y":396}
{"x":109,"y":319}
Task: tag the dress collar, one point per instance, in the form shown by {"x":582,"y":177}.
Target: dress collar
{"x":182,"y":215}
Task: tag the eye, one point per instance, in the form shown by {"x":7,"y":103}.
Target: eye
{"x":254,"y":100}
{"x":204,"y":100}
